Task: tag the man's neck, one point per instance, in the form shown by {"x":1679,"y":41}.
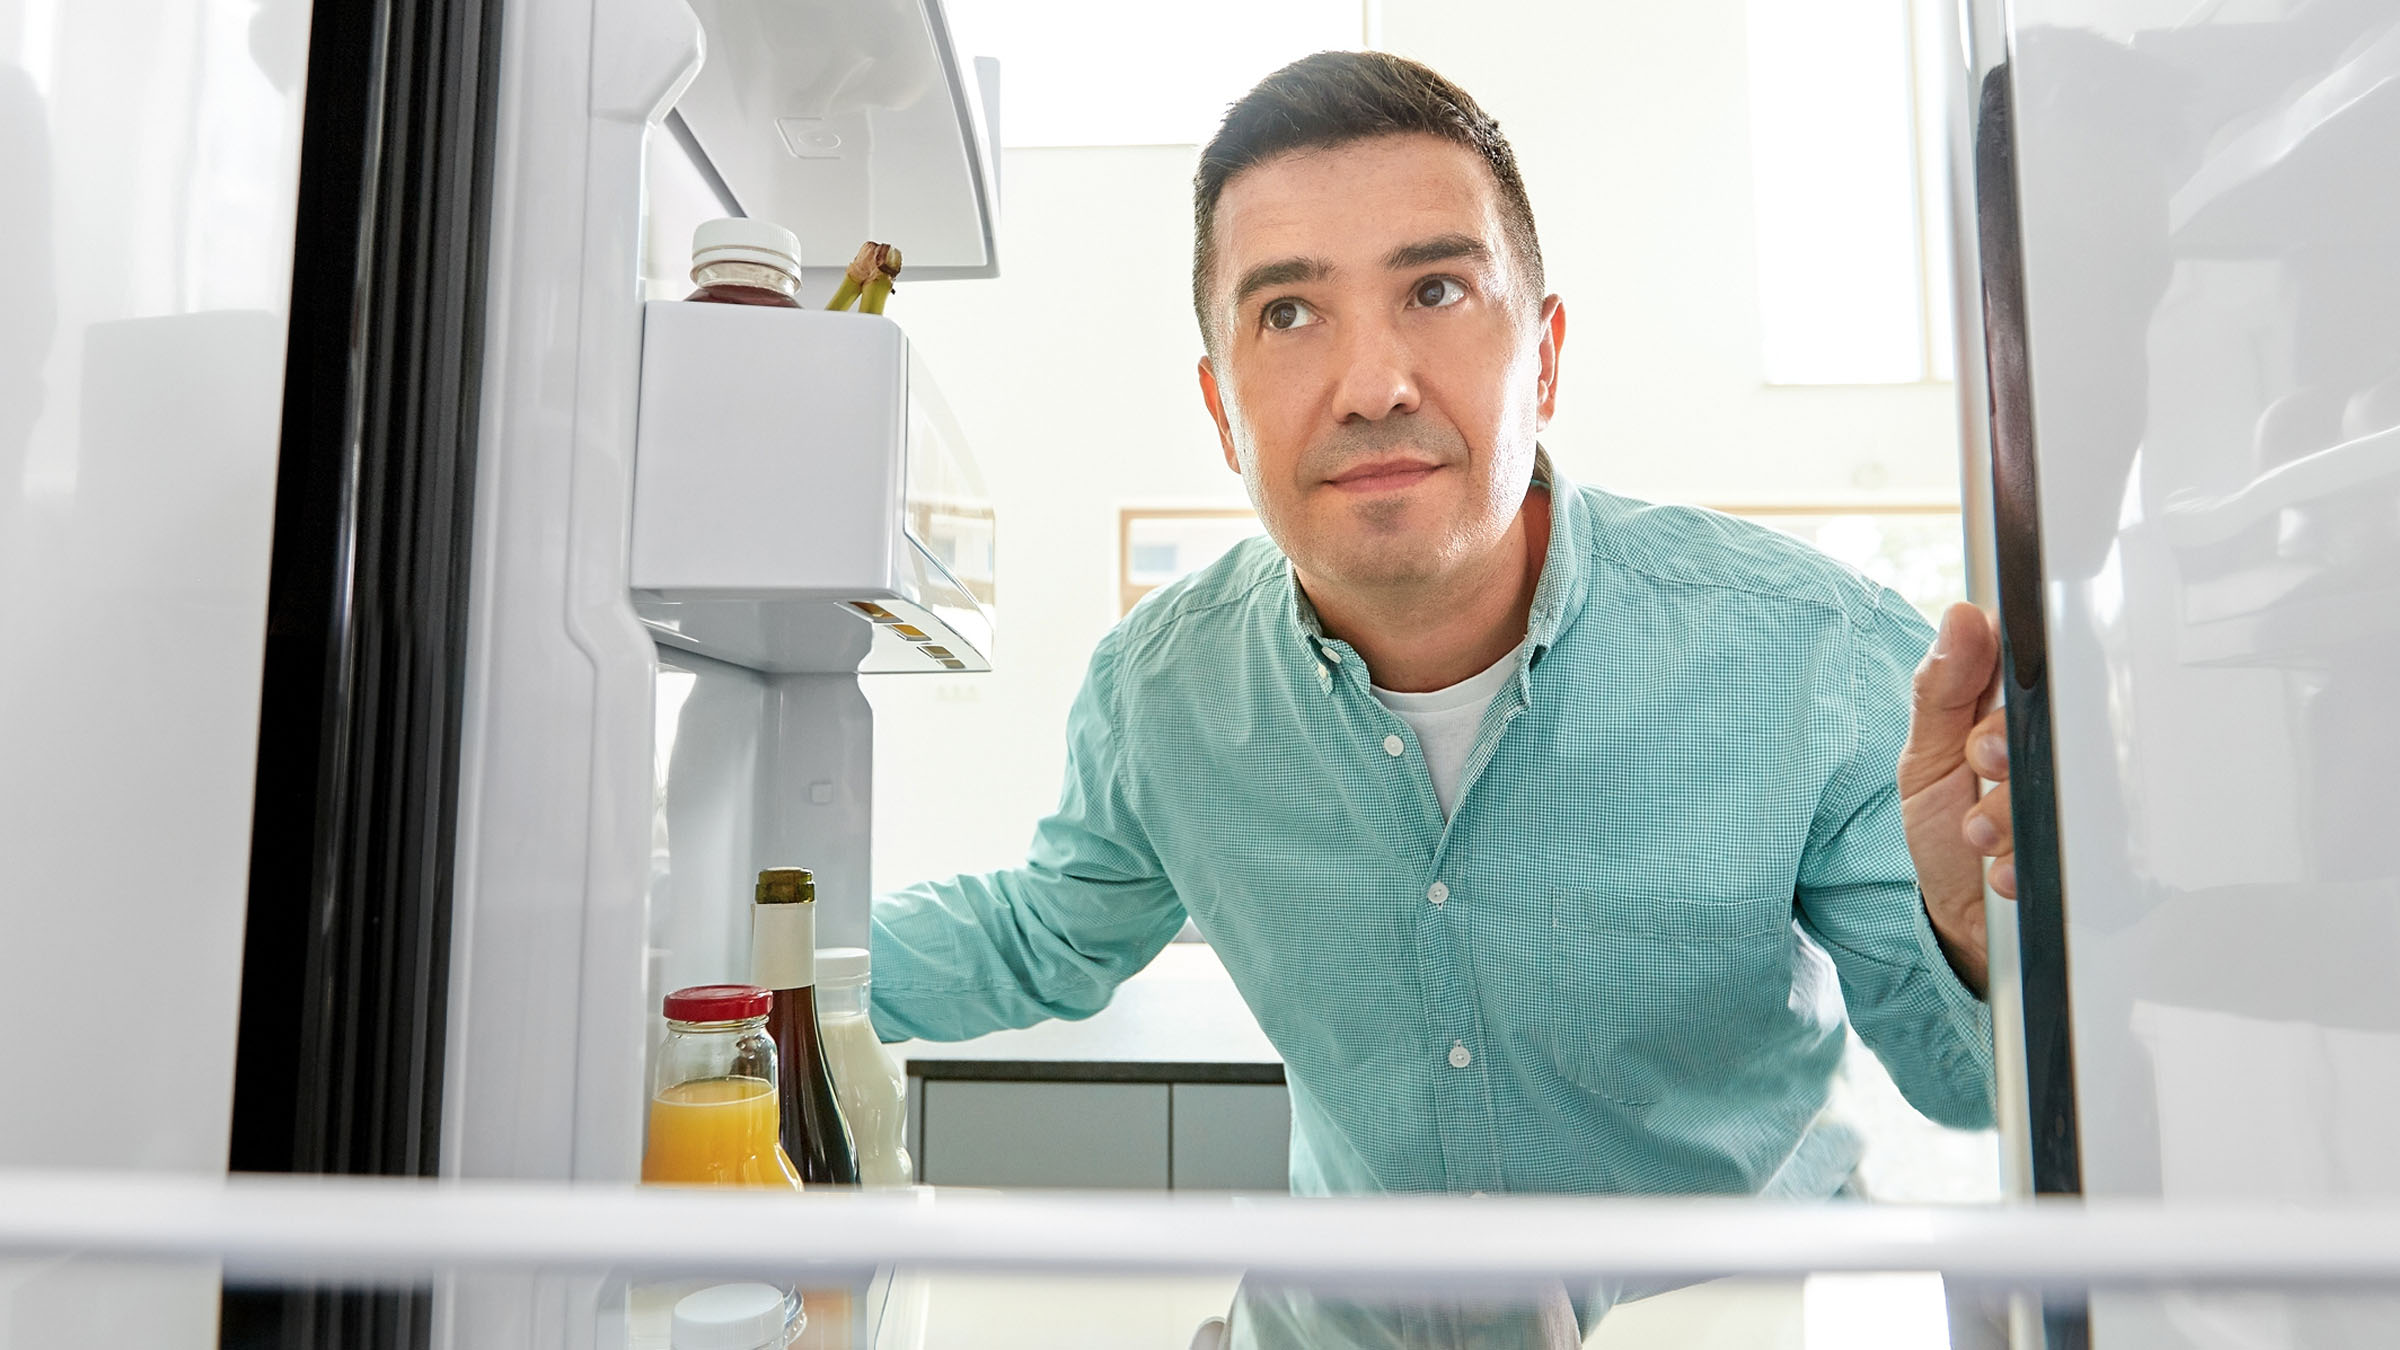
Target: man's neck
{"x":1422,"y":638}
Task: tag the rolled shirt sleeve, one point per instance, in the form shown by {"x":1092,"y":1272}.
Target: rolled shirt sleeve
{"x":1858,"y":896}
{"x":1054,"y":938}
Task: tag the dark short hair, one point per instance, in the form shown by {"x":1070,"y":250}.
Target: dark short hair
{"x":1334,"y":98}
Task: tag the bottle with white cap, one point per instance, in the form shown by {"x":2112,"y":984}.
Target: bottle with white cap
{"x":739,"y":261}
{"x":738,"y":1317}
{"x":873,"y":1093}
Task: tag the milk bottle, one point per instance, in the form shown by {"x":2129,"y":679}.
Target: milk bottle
{"x":866,"y":1080}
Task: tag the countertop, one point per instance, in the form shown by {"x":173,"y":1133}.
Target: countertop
{"x":1179,"y":1021}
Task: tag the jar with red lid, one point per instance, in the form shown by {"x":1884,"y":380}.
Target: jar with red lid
{"x":714,"y":1110}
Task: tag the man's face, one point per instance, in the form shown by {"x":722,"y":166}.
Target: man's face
{"x":1380,"y":368}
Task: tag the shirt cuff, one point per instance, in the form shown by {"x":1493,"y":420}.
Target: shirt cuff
{"x":1969,"y":1016}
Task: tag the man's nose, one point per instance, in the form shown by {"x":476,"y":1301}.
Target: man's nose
{"x":1378,"y":374}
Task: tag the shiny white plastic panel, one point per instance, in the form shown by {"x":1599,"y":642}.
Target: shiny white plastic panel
{"x":547,"y":1032}
{"x":2209,"y":213}
{"x":149,"y":165}
{"x":754,"y":771}
{"x":547,"y":1035}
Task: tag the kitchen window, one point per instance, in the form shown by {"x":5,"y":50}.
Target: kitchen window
{"x":1848,"y":129}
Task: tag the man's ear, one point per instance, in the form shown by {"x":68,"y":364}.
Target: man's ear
{"x":1554,"y":338}
{"x":1214,"y":397}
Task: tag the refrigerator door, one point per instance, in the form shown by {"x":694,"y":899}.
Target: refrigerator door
{"x":149,"y":157}
{"x":2192,"y":304}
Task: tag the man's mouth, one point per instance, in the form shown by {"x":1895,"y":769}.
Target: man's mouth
{"x":1383,"y":475}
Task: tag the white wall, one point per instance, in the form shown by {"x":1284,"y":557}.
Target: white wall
{"x":1073,"y":373}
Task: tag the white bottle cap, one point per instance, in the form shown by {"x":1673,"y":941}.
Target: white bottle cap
{"x":841,"y":965}
{"x":737,"y":1317}
{"x":740,"y":239}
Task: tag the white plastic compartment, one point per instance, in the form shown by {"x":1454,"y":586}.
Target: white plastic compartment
{"x":803,"y":499}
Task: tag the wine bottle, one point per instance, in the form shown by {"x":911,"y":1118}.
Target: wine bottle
{"x":783,"y":959}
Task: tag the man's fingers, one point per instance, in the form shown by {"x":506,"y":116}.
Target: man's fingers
{"x":1987,"y":747}
{"x":1950,"y":690}
{"x":2004,"y":877}
{"x":1988,"y":826}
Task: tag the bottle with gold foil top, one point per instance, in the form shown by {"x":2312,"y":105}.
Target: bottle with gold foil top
{"x":783,"y":959}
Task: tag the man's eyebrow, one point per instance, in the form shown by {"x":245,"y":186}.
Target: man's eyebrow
{"x":1281,"y":272}
{"x":1440,"y":248}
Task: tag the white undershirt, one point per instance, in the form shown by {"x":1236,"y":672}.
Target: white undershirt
{"x":1446,"y":721}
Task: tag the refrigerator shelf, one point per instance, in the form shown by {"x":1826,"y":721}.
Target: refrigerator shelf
{"x":847,"y":122}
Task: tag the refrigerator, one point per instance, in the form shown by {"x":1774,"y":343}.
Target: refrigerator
{"x":2189,"y":310}
{"x":402,"y":692}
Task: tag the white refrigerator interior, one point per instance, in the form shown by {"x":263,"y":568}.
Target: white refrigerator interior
{"x":149,"y":161}
{"x":2212,"y":291}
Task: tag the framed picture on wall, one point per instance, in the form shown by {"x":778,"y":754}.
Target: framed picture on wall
{"x":1158,"y":545}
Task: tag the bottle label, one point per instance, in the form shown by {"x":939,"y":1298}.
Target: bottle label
{"x":783,"y":946}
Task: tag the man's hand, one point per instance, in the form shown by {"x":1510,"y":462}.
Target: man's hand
{"x":1955,"y":737}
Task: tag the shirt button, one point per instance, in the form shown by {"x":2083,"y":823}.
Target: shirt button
{"x":1437,"y":892}
{"x":1394,"y":746}
{"x":1333,"y":656}
{"x":1459,"y":1058}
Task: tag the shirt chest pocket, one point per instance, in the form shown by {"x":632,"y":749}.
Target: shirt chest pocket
{"x":1650,"y":997}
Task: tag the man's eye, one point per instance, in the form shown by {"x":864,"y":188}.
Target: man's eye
{"x":1281,"y":314}
{"x":1435,"y":292}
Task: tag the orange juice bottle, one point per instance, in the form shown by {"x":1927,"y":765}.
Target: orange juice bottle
{"x":714,"y":1112}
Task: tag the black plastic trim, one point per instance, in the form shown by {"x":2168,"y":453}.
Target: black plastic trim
{"x":2017,"y":537}
{"x":935,"y":1069}
{"x":2024,"y":677}
{"x":346,"y":954}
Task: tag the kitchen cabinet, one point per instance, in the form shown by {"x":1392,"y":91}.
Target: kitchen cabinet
{"x":1172,"y":1086}
{"x":1111,"y":1135}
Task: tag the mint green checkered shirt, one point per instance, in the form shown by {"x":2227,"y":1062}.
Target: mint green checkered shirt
{"x":1675,"y":860}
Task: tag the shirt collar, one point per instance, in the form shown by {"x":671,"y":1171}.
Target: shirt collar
{"x":1566,"y":578}
{"x":1557,"y":597}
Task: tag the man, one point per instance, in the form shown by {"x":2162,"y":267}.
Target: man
{"x":1537,"y":826}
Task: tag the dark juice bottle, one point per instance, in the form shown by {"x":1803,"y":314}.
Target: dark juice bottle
{"x":783,"y":960}
{"x":739,"y":261}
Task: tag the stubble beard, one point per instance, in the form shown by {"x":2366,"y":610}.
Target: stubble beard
{"x":1367,"y":544}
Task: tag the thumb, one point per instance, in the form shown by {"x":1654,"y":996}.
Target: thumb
{"x":1952,"y":688}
